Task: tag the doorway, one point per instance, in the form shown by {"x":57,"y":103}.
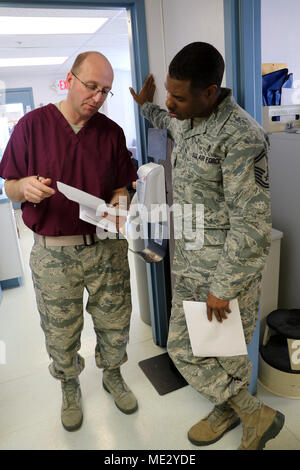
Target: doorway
{"x":14,"y":104}
{"x":118,"y":38}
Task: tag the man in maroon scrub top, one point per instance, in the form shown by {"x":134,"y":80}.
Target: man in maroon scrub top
{"x":71,"y":142}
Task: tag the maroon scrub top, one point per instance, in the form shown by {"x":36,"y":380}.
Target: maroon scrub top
{"x":94,"y":160}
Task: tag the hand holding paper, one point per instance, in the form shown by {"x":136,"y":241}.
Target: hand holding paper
{"x":93,"y":209}
{"x":217,"y":307}
{"x":212,"y":338}
{"x":115,"y":217}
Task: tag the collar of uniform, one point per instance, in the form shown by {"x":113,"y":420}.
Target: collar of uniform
{"x":216,"y":120}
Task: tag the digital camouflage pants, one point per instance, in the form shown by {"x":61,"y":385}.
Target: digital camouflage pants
{"x":60,"y":275}
{"x":216,"y":378}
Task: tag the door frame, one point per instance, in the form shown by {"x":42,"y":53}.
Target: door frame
{"x":242,"y":21}
{"x":242,"y":25}
{"x":137,"y":40}
{"x":140,"y":70}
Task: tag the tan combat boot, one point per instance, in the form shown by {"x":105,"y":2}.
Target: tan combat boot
{"x":71,"y":411}
{"x":209,"y":430}
{"x":114,"y":383}
{"x":259,"y":425}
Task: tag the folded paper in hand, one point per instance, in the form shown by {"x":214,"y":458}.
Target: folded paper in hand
{"x":213,"y":339}
{"x":92,"y":208}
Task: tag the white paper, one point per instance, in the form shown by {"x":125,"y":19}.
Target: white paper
{"x":92,"y":208}
{"x":213,"y":339}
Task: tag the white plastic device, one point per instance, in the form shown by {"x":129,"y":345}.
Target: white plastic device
{"x":151,"y":200}
{"x":150,"y":186}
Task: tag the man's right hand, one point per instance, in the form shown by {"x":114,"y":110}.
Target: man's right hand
{"x":30,"y":189}
{"x":37,"y":189}
{"x":147,"y":91}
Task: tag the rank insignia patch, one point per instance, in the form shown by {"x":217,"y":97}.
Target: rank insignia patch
{"x":261,"y":170}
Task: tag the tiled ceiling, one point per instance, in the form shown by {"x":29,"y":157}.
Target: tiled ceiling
{"x":111,"y":39}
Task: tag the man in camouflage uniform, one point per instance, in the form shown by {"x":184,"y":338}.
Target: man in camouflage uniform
{"x":73,"y":143}
{"x":219,"y":160}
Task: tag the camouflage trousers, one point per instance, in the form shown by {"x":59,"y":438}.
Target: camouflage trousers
{"x":216,"y":378}
{"x":60,"y":275}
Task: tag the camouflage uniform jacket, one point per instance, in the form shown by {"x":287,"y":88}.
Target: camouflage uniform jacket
{"x":222,"y":164}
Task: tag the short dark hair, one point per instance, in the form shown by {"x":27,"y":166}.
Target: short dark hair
{"x":200,"y":63}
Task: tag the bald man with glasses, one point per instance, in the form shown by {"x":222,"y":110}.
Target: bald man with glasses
{"x":93,"y":88}
{"x":73,"y":143}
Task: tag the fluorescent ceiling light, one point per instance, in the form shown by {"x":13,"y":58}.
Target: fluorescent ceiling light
{"x":49,"y":25}
{"x":23,"y":61}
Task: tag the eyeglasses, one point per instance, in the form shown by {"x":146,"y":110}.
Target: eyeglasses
{"x":94,"y":89}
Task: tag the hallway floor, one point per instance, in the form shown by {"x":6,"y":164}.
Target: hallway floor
{"x":30,"y":399}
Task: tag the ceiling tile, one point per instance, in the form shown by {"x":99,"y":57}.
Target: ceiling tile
{"x":111,"y":40}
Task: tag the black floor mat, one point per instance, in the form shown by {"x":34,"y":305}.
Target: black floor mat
{"x":162,"y":373}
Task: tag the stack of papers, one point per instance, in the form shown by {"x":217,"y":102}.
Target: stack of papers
{"x":213,"y":339}
{"x":92,"y":208}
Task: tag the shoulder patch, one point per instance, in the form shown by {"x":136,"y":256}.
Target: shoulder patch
{"x":261,"y":169}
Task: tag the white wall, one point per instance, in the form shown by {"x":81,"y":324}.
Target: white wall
{"x":121,"y":108}
{"x":43,"y":93}
{"x":172,"y":24}
{"x":281,"y":33}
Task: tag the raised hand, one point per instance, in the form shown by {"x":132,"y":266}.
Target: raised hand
{"x":146,"y":93}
